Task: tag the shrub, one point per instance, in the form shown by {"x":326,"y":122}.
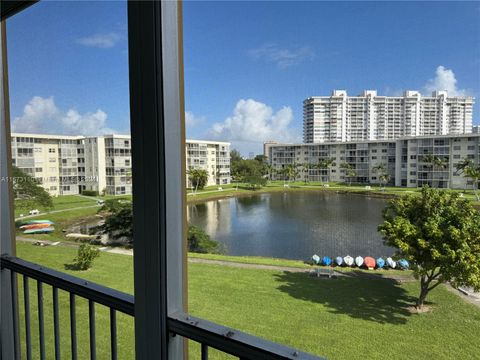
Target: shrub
{"x":85,"y":256}
{"x":90,"y":192}
{"x":199,"y":241}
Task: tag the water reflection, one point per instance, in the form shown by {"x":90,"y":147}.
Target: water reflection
{"x":294,"y":225}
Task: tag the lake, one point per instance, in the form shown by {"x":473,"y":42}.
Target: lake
{"x":294,"y":225}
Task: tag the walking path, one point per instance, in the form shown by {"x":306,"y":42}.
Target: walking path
{"x":465,"y":293}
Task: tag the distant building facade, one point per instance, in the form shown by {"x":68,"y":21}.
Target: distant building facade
{"x":212,"y":156}
{"x":369,"y":116}
{"x":69,"y":165}
{"x":404,"y":160}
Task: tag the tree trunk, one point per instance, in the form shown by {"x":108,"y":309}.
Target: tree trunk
{"x":423,"y":292}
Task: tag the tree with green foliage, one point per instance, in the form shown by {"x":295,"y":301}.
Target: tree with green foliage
{"x":350,"y":172}
{"x":325,"y":164}
{"x":439,"y":234}
{"x":307,"y":168}
{"x":85,"y":256}
{"x":470,"y":171}
{"x":27,"y":191}
{"x":255,"y":181}
{"x":198,"y":178}
{"x":291,"y":172}
{"x":118,"y":220}
{"x":435,"y":163}
{"x":200,"y":242}
{"x":383,"y":177}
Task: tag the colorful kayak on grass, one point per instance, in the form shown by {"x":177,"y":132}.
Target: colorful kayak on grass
{"x":369,"y":262}
{"x":391,"y":263}
{"x":316,"y":259}
{"x":348,"y":260}
{"x":35,"y":226}
{"x":339,"y":260}
{"x":359,"y":261}
{"x":30,"y":222}
{"x":380,"y":263}
{"x":404,"y":265}
{"x":39,"y":231}
{"x":326,"y":261}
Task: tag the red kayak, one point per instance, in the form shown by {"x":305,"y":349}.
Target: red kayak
{"x":369,"y":262}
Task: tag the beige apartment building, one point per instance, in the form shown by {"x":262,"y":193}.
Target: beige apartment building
{"x":404,"y":160}
{"x":212,"y":156}
{"x":69,"y":165}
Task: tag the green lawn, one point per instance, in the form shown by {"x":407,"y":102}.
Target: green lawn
{"x":60,"y":203}
{"x":345,"y":318}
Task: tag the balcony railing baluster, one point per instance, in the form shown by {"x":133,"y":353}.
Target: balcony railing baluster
{"x":204,"y":352}
{"x":26,"y":302}
{"x":113,"y":333}
{"x":16,"y":327}
{"x":91,"y":319}
{"x":41,"y":325}
{"x":73,"y":327}
{"x":209,"y":335}
{"x":56,"y":323}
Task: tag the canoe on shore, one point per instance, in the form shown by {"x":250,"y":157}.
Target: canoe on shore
{"x":391,"y":263}
{"x":380,"y":263}
{"x":369,"y":263}
{"x":39,"y":231}
{"x":315,"y":258}
{"x":348,"y":260}
{"x":359,"y":261}
{"x":30,"y":222}
{"x":35,"y":226}
{"x":403,"y":264}
{"x":326,"y":261}
{"x":339,"y":260}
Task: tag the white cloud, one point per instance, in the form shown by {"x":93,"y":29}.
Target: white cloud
{"x":444,"y":80}
{"x":192,"y":120}
{"x":102,"y":41}
{"x":253,"y":123}
{"x":41,"y":115}
{"x":282,"y":57}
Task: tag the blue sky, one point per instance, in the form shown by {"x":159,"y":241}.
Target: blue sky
{"x":248,"y":65}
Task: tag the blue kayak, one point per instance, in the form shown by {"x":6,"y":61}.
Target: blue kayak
{"x":380,"y":263}
{"x":316,"y":259}
{"x":403,"y":264}
{"x":326,"y":261}
{"x":339,"y":260}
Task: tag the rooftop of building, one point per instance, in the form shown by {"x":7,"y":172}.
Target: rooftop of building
{"x":373,"y":93}
{"x":379,"y":140}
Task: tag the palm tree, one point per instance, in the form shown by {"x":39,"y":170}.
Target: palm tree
{"x":350,"y":172}
{"x":435,"y":162}
{"x":291,"y":171}
{"x":306,"y":168}
{"x":198,"y":178}
{"x":325,"y":164}
{"x":470,"y":171}
{"x":383,"y":176}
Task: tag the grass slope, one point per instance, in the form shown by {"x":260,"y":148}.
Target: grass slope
{"x":346,"y":318}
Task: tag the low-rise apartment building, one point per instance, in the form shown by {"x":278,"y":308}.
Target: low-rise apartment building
{"x":211,"y":156}
{"x":69,"y":165}
{"x":405,"y":161}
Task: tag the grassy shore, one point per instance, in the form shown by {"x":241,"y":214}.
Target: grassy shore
{"x":345,"y":318}
{"x":212,"y":192}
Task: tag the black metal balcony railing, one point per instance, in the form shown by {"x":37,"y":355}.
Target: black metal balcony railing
{"x":208,"y":334}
